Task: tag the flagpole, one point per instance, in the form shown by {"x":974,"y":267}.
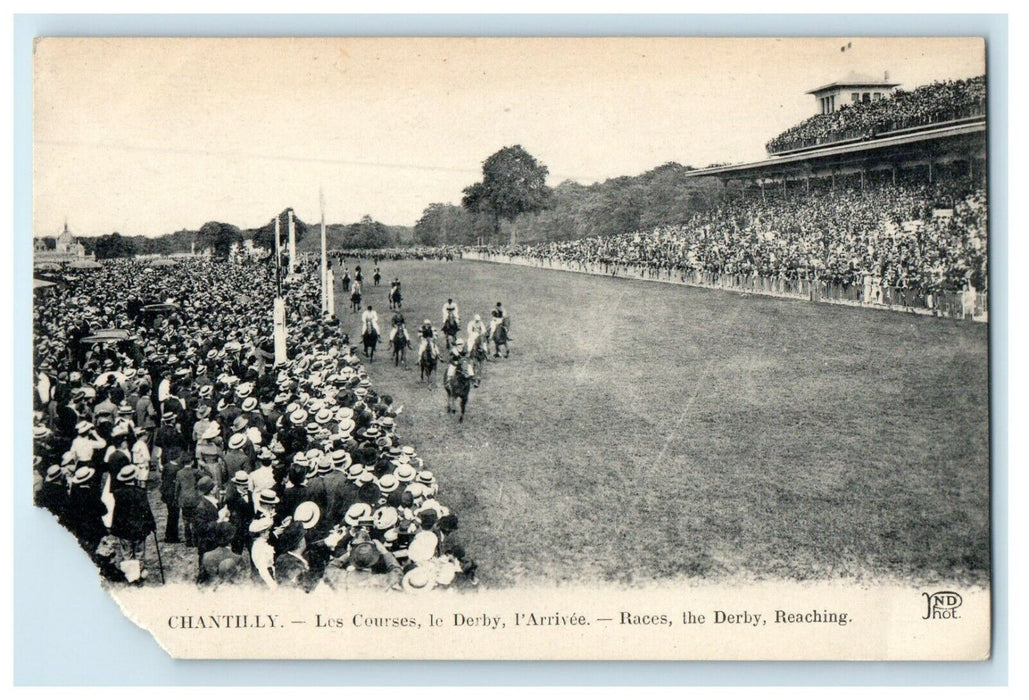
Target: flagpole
{"x":324,"y":268}
{"x":292,"y":230}
{"x":278,"y":258}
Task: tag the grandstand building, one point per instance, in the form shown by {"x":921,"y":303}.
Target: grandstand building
{"x":852,"y":89}
{"x":931,"y":146}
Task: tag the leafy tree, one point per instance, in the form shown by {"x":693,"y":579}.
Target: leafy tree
{"x":114,"y":245}
{"x":218,"y":238}
{"x":264,"y":237}
{"x":446,"y":224}
{"x":513,"y":183}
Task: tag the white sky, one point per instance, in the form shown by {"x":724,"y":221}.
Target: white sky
{"x":154,"y":135}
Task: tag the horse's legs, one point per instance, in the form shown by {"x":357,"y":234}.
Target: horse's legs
{"x":464,"y":402}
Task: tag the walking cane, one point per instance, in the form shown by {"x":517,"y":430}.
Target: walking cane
{"x":160,"y":564}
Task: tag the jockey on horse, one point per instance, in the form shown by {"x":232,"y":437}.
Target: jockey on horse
{"x":498,"y":319}
{"x":399,"y":340}
{"x":475,"y":327}
{"x":451,"y":321}
{"x":394,"y":294}
{"x":370,"y":320}
{"x":459,"y":378}
{"x":428,"y":339}
{"x":355,"y":295}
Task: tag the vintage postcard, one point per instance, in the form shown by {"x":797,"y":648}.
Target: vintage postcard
{"x":519,"y":348}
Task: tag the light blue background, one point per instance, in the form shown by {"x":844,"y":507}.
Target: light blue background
{"x":68,"y":632}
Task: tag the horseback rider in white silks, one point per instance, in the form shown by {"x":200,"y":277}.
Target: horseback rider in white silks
{"x":370,"y":316}
{"x":475,"y":328}
{"x":457,"y":351}
{"x":450,"y":308}
{"x":427,"y":336}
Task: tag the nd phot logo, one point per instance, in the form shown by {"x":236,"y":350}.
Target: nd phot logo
{"x":942,"y":605}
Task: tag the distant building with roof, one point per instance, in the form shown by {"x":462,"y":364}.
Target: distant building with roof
{"x":851,"y":89}
{"x":66,"y":249}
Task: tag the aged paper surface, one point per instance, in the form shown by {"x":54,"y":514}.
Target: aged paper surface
{"x":674,"y":462}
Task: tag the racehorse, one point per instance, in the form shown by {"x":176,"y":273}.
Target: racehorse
{"x":427,"y":363}
{"x":478,"y":351}
{"x":355,"y":299}
{"x":401,"y":341}
{"x":499,"y":338}
{"x":458,"y":382}
{"x":395,"y":298}
{"x":450,"y":329}
{"x":370,"y":338}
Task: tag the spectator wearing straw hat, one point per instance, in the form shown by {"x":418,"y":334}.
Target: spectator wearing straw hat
{"x":240,"y":502}
{"x":133,"y":520}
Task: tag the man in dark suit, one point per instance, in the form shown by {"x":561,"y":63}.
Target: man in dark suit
{"x":240,"y":502}
{"x":205,"y":522}
{"x":186,"y":497}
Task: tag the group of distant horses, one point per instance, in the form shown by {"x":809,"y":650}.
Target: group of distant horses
{"x":461,"y":376}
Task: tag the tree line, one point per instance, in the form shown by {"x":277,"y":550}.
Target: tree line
{"x":513,"y":204}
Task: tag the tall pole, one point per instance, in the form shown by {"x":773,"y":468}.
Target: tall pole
{"x":292,"y":230}
{"x":278,"y":257}
{"x":325,"y":265}
{"x":279,"y":305}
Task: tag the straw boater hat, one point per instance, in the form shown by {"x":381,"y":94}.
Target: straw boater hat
{"x":127,"y":473}
{"x":213,"y":431}
{"x":206,"y":391}
{"x":365,"y":477}
{"x":405,"y":473}
{"x":307,"y":514}
{"x":354,"y":471}
{"x":356,"y":513}
{"x":385,"y":518}
{"x":241,"y":478}
{"x":418,"y":580}
{"x":323,"y":416}
{"x":83,"y":427}
{"x":324,"y":464}
{"x":40,"y":432}
{"x":388,"y":483}
{"x":268,"y":498}
{"x":341,"y":459}
{"x":249,"y":403}
{"x":298,"y":417}
{"x":422,"y":547}
{"x":54,"y":473}
{"x":82,"y":475}
{"x":425,"y":477}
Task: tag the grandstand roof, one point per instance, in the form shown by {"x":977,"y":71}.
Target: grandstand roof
{"x":854,"y":151}
{"x":853,"y":79}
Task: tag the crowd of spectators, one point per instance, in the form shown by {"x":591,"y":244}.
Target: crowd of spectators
{"x":283,"y":475}
{"x":919,"y":237}
{"x":928,"y":104}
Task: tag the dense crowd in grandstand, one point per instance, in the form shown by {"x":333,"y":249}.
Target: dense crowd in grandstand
{"x":937,"y":102}
{"x":160,"y":383}
{"x":893,"y":234}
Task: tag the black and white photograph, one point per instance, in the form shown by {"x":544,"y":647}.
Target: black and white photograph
{"x":678,"y":347}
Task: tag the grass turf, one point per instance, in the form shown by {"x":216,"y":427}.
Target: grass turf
{"x":645,"y":431}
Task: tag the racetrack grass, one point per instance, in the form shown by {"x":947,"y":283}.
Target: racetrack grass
{"x":644,"y":431}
